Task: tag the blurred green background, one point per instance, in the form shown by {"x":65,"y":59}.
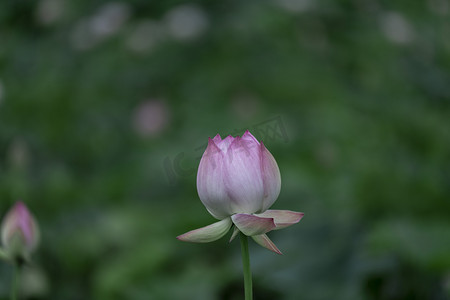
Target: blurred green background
{"x":106,"y":107}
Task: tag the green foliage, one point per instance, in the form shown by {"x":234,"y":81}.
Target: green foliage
{"x":359,"y":87}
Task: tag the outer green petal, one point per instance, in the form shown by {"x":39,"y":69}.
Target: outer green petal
{"x":282,"y":218}
{"x":252,"y":225}
{"x":263,"y":240}
{"x":208,"y":233}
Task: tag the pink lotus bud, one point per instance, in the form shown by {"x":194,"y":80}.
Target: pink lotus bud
{"x":238,"y":180}
{"x":20,"y":234}
{"x":237,"y":175}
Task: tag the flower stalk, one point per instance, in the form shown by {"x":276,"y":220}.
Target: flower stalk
{"x":15,"y":282}
{"x":248,"y":289}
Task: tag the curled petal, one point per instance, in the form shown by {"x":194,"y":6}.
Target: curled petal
{"x":207,"y":234}
{"x":282,"y":218}
{"x":264,"y":241}
{"x":252,"y":225}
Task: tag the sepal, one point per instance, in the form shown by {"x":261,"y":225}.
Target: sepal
{"x":208,"y":233}
{"x":234,"y":235}
{"x":264,"y":241}
{"x":252,"y":225}
{"x":282,"y":218}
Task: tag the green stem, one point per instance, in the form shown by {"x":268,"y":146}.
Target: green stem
{"x":246,"y":268}
{"x":15,"y":282}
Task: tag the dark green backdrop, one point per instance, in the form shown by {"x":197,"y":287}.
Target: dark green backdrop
{"x":106,"y":107}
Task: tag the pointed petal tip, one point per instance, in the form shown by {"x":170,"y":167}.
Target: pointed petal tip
{"x":183,"y":237}
{"x":216,"y":139}
{"x":249,"y":136}
{"x":264,"y":241}
{"x":246,"y":133}
{"x":276,"y":250}
{"x":20,"y":206}
{"x":212,"y":146}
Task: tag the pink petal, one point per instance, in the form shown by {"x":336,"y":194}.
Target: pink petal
{"x":252,"y":225}
{"x":19,"y":220}
{"x":243,"y":179}
{"x":24,"y":220}
{"x":247,"y":136}
{"x":263,"y":240}
{"x":282,"y":218}
{"x":210,"y":177}
{"x":271,"y":178}
{"x":208,"y":233}
{"x":217,"y":139}
{"x":225,"y":143}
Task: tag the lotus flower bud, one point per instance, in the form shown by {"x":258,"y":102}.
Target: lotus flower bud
{"x":237,"y":175}
{"x":20,"y":233}
{"x":237,"y":181}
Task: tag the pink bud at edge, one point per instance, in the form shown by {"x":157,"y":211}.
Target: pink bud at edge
{"x":19,"y":231}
